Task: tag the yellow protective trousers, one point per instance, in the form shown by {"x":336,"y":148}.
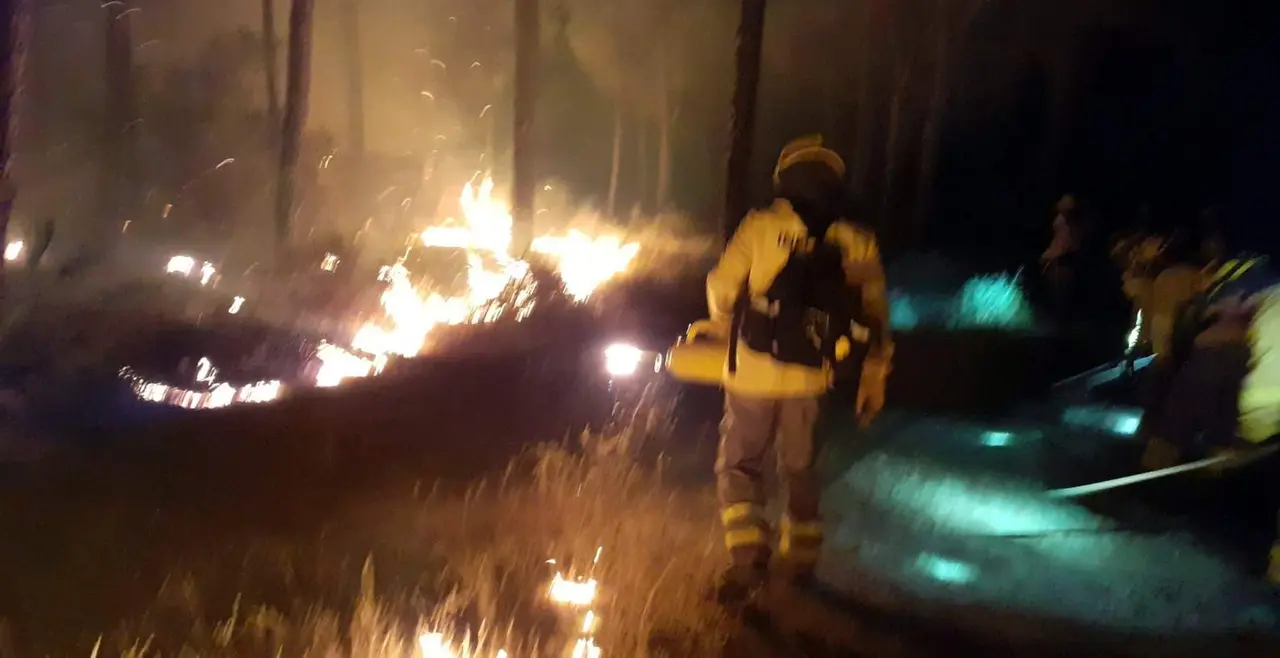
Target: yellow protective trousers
{"x":750,"y":427}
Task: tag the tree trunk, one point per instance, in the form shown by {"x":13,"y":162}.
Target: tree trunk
{"x":13,"y":55}
{"x":616,"y":165}
{"x":119,"y":178}
{"x":949,"y":33}
{"x":893,"y":154}
{"x":271,"y":66}
{"x":642,"y":165}
{"x":863,"y":148}
{"x":743,"y":123}
{"x":932,"y":130}
{"x":664,"y":158}
{"x":295,"y":114}
{"x":355,"y":109}
{"x":524,"y":179}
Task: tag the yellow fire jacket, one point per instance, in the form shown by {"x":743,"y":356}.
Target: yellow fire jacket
{"x":755,"y":255}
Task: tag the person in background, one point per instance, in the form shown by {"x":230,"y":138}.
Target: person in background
{"x":1170,"y":283}
{"x":1177,"y":280}
{"x":1138,"y":257}
{"x":796,"y":281}
{"x":1225,"y":354}
{"x":1059,"y":262}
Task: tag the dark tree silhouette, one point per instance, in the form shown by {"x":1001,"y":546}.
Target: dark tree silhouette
{"x":356,"y":205}
{"x":524,"y":177}
{"x":120,"y":176}
{"x":295,"y":113}
{"x":355,"y":90}
{"x":270,"y":64}
{"x":741,"y":133}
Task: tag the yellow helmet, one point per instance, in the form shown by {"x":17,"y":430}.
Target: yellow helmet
{"x":807,"y":149}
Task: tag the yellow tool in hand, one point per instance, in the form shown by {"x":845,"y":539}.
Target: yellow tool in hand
{"x":700,"y":356}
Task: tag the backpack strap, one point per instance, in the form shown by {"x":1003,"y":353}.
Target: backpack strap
{"x":740,"y":306}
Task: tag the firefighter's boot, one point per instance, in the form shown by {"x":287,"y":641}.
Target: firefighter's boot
{"x":739,"y":584}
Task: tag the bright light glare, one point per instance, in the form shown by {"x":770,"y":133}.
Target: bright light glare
{"x":1127,"y":424}
{"x":180,"y":265}
{"x":946,"y":570}
{"x":330,"y":262}
{"x":433,"y":645}
{"x":236,"y":304}
{"x":1131,"y":342}
{"x":1114,"y":420}
{"x":586,"y":648}
{"x":622,"y":360}
{"x":206,"y":273}
{"x":338,"y":365}
{"x":13,"y":250}
{"x":572,"y":593}
{"x":995,"y":439}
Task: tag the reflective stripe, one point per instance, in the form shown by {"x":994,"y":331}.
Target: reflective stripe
{"x":736,"y":513}
{"x":745,"y":537}
{"x":807,"y":530}
{"x":800,"y":539}
{"x":801,"y":529}
{"x":1230,"y":271}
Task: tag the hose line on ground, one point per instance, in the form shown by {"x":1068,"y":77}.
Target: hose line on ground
{"x":1081,"y":491}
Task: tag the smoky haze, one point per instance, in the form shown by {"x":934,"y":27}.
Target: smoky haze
{"x":957,"y":117}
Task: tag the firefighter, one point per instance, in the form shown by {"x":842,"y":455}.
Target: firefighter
{"x":1225,"y":391}
{"x":797,"y":285}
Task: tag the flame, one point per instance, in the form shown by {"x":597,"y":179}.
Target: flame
{"x":572,"y":592}
{"x":180,"y":265}
{"x":585,"y":263}
{"x":337,"y":365}
{"x":498,"y":285}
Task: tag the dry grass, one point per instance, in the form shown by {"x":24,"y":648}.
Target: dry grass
{"x":473,"y":565}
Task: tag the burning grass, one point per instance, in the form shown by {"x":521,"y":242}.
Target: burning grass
{"x":465,"y":573}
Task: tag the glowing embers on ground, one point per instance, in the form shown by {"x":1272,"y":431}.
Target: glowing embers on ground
{"x":575,"y":598}
{"x":577,"y":593}
{"x":185,"y":266}
{"x":207,"y":393}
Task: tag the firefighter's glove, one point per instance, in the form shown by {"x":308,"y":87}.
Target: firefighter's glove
{"x":871,"y":389}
